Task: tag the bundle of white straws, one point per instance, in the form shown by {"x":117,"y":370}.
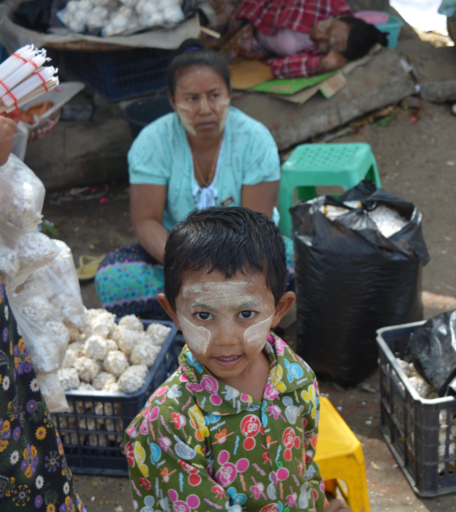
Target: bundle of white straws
{"x":23,"y":78}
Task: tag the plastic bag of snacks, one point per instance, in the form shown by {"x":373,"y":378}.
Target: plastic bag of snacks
{"x":358,"y":268}
{"x":21,"y":195}
{"x":40,"y":278}
{"x":114,"y":17}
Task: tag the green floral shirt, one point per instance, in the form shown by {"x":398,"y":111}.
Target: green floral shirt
{"x":199,"y":444}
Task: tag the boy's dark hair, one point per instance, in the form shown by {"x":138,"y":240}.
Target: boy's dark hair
{"x":227,"y":239}
{"x":192,"y":52}
{"x":362,"y":37}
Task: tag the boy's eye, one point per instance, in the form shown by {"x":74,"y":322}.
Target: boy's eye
{"x":247,"y":315}
{"x":203,"y":316}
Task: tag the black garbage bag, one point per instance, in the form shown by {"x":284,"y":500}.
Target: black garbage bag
{"x":432,"y":349}
{"x":351,"y":280}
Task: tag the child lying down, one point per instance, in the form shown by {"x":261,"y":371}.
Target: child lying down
{"x":236,"y":426}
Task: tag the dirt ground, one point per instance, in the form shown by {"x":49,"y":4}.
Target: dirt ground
{"x":417,"y":161}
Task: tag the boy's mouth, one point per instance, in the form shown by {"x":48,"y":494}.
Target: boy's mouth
{"x":228,"y":361}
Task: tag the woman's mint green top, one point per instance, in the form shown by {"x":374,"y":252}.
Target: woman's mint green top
{"x":160,"y":155}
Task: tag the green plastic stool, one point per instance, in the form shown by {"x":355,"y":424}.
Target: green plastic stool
{"x":313,"y":165}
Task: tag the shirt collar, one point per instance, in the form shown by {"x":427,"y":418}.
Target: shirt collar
{"x":287,"y":373}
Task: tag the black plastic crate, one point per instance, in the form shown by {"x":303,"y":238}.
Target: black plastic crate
{"x":419,"y":432}
{"x":121,"y":75}
{"x":93,"y":432}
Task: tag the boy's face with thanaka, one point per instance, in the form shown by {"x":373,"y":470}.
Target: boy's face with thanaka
{"x":226,"y":321}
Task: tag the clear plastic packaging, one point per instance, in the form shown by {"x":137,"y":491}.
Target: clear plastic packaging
{"x":40,"y":279}
{"x":53,"y":392}
{"x":21,"y":195}
{"x":116,"y":17}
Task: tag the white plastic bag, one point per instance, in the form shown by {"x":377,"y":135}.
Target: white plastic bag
{"x":53,"y":393}
{"x":39,"y":277}
{"x":21,"y":195}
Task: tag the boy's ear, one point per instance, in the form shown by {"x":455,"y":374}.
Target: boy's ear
{"x":164,"y":303}
{"x":283,"y":307}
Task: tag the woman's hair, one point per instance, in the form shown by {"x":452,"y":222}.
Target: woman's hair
{"x":362,"y":37}
{"x":192,"y":52}
{"x":229,"y":240}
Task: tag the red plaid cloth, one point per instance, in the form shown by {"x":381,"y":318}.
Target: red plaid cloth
{"x":305,"y":63}
{"x":300,"y":15}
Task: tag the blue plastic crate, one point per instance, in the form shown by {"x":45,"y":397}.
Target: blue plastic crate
{"x":122,"y":75}
{"x":99,"y":450}
{"x":392,"y":26}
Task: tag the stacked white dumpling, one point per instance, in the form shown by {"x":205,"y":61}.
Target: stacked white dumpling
{"x":111,"y":357}
{"x":120,"y":16}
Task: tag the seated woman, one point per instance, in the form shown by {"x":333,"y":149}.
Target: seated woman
{"x":205,"y":154}
{"x":298,"y":38}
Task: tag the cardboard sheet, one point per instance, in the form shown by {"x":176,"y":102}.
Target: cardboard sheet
{"x":290,"y":85}
{"x":331,"y":85}
{"x":249,"y":73}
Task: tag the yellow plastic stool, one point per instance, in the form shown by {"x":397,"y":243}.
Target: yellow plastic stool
{"x":340,"y":457}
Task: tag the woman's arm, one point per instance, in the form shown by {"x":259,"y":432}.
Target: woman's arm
{"x":260,"y":198}
{"x":147,"y":204}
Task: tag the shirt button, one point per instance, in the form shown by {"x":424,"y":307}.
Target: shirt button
{"x":286,"y":509}
{"x":279,"y":464}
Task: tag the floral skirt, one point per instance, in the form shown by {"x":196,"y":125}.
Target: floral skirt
{"x":128,"y":281}
{"x":33,"y":471}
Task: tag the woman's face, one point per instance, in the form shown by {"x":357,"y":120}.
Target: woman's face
{"x":330,"y":35}
{"x":202,"y":101}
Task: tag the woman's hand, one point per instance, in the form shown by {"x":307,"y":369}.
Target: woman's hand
{"x":147,"y":204}
{"x":334,"y":60}
{"x":7,"y":129}
{"x":337,"y":506}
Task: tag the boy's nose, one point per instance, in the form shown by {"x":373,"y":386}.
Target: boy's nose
{"x":226,"y":334}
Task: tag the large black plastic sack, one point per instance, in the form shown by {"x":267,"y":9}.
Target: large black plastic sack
{"x":351,"y":281}
{"x":432,"y":349}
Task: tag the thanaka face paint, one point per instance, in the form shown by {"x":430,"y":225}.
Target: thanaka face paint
{"x":225,"y":301}
{"x":257,"y":334}
{"x":229,"y":294}
{"x":196,"y":336}
{"x":236,"y":314}
{"x":184,"y":113}
{"x":188,"y":118}
{"x":201,"y":100}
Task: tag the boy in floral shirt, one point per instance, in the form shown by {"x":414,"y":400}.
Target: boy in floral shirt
{"x":236,"y":426}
